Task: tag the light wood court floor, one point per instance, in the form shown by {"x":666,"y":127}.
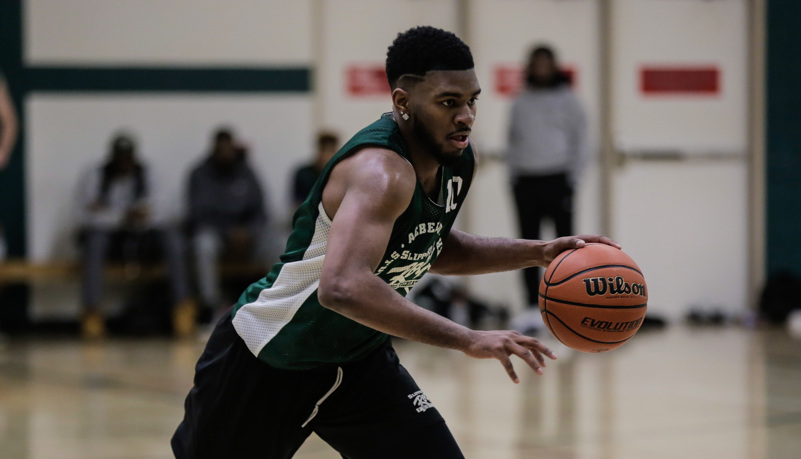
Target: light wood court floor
{"x":681,"y":393}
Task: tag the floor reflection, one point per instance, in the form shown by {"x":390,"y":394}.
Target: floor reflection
{"x":680,"y":393}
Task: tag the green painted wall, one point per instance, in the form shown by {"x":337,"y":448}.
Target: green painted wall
{"x":12,"y":178}
{"x":783,"y":136}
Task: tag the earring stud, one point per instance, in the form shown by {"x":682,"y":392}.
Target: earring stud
{"x":405,"y":116}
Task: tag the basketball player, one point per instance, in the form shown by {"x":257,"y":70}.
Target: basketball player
{"x":307,"y":349}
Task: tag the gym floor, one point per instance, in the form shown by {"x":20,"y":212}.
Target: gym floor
{"x":680,"y":392}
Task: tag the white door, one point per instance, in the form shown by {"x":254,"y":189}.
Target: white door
{"x":351,"y":37}
{"x":679,"y":192}
{"x":501,"y":34}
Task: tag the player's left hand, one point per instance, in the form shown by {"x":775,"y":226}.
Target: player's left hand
{"x":502,"y":344}
{"x":557,"y":246}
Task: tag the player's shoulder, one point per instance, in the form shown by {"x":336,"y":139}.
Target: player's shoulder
{"x":384,"y":167}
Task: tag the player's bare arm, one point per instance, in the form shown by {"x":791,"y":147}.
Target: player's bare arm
{"x":364,"y":198}
{"x":8,"y":125}
{"x":464,"y":253}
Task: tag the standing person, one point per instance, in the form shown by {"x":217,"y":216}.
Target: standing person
{"x":118,"y":218}
{"x":307,"y":348}
{"x":227,"y":215}
{"x":8,"y":136}
{"x":305,"y":176}
{"x":547,"y":152}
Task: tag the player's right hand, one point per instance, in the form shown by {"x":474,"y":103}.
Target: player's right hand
{"x":502,"y":344}
{"x":557,"y":246}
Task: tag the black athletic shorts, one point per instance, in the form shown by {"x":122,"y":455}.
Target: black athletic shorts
{"x":240,"y":407}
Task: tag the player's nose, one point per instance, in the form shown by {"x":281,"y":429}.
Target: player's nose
{"x":466,"y":116}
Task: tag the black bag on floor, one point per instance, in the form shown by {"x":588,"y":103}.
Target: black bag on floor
{"x":781,"y":295}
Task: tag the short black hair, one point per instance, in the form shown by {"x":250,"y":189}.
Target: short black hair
{"x":325,"y":138}
{"x":223,"y":134}
{"x":122,"y":142}
{"x":542,"y":50}
{"x":425,"y":48}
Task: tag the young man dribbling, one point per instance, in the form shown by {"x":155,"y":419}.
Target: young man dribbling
{"x":307,"y":348}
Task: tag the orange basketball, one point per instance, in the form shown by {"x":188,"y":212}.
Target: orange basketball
{"x":593,"y":299}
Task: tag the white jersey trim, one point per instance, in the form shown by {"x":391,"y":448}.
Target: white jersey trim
{"x":261,"y":321}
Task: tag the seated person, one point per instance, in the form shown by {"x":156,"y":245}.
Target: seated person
{"x":305,"y":176}
{"x":226,"y":216}
{"x":117,"y":219}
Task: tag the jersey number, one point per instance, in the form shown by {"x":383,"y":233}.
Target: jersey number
{"x":454,"y":188}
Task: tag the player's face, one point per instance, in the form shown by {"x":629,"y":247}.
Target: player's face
{"x":443,"y":108}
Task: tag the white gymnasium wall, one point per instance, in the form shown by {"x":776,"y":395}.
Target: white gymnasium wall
{"x":69,"y":133}
{"x":684,"y":222}
{"x":501,"y":34}
{"x":171,"y":32}
{"x":668,"y":216}
{"x":680,"y":33}
{"x":358,"y":32}
{"x":503,"y":31}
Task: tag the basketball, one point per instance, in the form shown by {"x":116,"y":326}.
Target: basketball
{"x":593,"y":299}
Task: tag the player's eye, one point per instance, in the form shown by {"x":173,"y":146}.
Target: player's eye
{"x":449,"y":102}
{"x":472,"y":101}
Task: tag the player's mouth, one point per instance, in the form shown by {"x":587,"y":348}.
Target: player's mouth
{"x":459,"y":140}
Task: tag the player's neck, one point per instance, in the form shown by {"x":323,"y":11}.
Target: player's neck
{"x":426,"y":166}
{"x":428,"y":171}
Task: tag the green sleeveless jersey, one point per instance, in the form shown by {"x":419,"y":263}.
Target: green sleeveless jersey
{"x":280,"y":318}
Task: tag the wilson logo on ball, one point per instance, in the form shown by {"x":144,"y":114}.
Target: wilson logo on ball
{"x":613,"y":285}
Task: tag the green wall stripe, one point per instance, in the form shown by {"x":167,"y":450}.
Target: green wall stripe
{"x":169,"y":79}
{"x":24,"y":80}
{"x":783,"y":167}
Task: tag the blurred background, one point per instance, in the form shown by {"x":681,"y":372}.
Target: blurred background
{"x":692,"y":110}
{"x":683,"y":173}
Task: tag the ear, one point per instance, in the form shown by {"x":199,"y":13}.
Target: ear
{"x":401,"y":100}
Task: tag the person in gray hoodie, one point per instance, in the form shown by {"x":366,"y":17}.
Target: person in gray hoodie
{"x":227,"y":215}
{"x":547,"y":152}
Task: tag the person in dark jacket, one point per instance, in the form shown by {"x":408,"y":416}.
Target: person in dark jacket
{"x":227,"y":215}
{"x":118,"y":220}
{"x":306,"y":175}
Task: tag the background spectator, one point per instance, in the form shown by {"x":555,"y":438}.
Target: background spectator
{"x":305,"y":176}
{"x":118,"y":221}
{"x":547,"y":150}
{"x":227,"y":215}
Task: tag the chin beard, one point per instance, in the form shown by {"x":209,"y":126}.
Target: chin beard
{"x":430,"y":144}
{"x":448,"y":160}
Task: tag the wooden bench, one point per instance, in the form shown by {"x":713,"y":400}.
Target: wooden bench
{"x":17,"y":275}
{"x":22,"y":271}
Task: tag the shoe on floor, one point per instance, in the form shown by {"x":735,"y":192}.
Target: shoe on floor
{"x":93,"y":325}
{"x":184,"y":319}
